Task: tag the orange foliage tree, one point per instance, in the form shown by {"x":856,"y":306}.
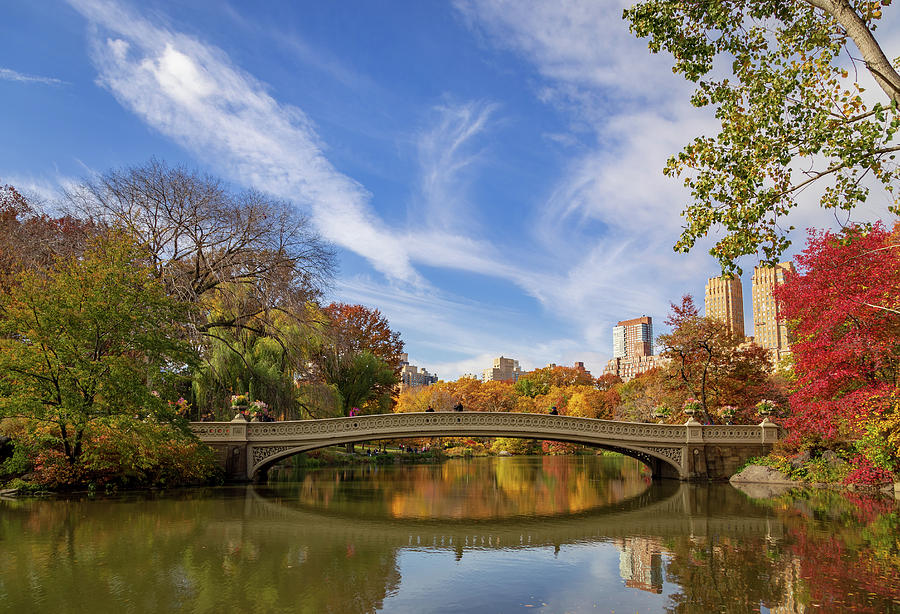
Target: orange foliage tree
{"x":356,"y":328}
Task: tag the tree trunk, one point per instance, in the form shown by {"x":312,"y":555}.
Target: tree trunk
{"x":64,"y":435}
{"x":877,"y":63}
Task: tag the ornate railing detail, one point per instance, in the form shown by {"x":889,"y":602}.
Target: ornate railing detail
{"x":465,"y":420}
{"x":263,"y":453}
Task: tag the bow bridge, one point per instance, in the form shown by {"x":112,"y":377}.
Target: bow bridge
{"x":689,"y":451}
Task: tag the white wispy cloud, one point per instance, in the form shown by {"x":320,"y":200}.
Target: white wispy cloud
{"x":194,"y":94}
{"x":601,"y":244}
{"x":447,"y":155}
{"x":44,"y":192}
{"x":8,"y":74}
{"x":612,"y":215}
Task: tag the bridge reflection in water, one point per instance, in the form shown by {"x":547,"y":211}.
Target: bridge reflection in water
{"x":664,"y":510}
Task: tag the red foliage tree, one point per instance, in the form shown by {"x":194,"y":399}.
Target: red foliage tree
{"x":843,"y":307}
{"x":607,"y":381}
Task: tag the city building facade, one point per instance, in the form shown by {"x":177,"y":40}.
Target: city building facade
{"x":412,"y":377}
{"x":504,"y":369}
{"x":630,"y":366}
{"x":725,"y":301}
{"x":632,"y":348}
{"x":769,"y":328}
{"x":633,"y":337}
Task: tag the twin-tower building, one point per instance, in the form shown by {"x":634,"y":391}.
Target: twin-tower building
{"x":633,"y":339}
{"x":725,"y":301}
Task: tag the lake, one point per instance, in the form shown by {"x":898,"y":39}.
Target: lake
{"x":507,"y":534}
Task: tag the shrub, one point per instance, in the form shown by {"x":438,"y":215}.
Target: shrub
{"x":120,"y":452}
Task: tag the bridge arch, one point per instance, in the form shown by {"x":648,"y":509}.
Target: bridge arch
{"x":660,"y":465}
{"x":688,"y":451}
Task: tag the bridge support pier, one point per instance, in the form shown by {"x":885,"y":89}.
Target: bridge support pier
{"x":709,"y":462}
{"x":232,"y":458}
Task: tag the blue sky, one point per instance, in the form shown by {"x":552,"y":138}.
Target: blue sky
{"x":489,"y":170}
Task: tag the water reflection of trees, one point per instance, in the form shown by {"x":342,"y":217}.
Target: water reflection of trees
{"x":839,"y":553}
{"x":846,"y":548}
{"x":462,"y":489}
{"x":198,"y":555}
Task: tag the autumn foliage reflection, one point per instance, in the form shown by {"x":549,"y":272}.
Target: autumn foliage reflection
{"x":457,"y":489}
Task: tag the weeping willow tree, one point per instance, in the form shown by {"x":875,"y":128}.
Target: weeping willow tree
{"x":266,"y":365}
{"x":360,"y":380}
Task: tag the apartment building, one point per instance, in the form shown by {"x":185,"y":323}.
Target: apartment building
{"x":632,"y":348}
{"x":769,"y":328}
{"x":725,"y":300}
{"x":411,"y":376}
{"x":503,"y":370}
{"x":633,"y":337}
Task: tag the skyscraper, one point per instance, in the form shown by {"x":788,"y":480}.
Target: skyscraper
{"x":725,"y":301}
{"x":769,"y":328}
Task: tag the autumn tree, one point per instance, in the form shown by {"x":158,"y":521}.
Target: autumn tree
{"x":784,"y":79}
{"x":540,"y":380}
{"x":88,"y":341}
{"x":588,"y":402}
{"x":640,"y":395}
{"x":607,"y":381}
{"x":414,"y":399}
{"x":474,"y":395}
{"x":843,"y":306}
{"x":30,"y":239}
{"x":352,"y":335}
{"x":356,"y":328}
{"x":710,"y":362}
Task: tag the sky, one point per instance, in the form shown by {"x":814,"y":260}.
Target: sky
{"x":489,"y":171}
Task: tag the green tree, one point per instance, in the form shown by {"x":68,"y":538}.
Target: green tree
{"x":89,"y":339}
{"x":532,"y":385}
{"x":791,"y":108}
{"x":357,"y":379}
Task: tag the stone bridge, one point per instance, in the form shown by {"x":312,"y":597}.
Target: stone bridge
{"x":687,"y":451}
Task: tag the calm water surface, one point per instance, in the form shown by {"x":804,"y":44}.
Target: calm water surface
{"x":552,"y":534}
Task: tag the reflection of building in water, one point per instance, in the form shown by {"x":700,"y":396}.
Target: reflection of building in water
{"x":791,"y":600}
{"x":640,"y":563}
